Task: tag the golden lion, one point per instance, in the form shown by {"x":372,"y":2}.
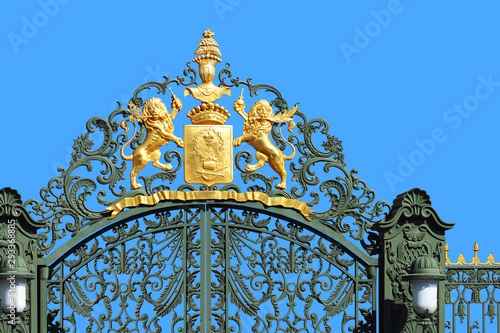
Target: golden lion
{"x":160,"y":130}
{"x":258,"y":125}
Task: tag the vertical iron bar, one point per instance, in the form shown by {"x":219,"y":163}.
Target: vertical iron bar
{"x":227,"y":266}
{"x":208,"y":267}
{"x":454,"y":322}
{"x":43,"y":275}
{"x":355,"y":295}
{"x":205,"y":263}
{"x":61,"y":295}
{"x":373,"y":275}
{"x":202,"y":270}
{"x":185,"y":269}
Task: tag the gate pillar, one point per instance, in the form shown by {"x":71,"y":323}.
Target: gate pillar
{"x":412,"y":229}
{"x":18,"y":242}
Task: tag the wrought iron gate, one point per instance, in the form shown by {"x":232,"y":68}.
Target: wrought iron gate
{"x":210,"y":268}
{"x":271,"y":252}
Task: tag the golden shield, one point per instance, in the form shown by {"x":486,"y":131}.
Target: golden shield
{"x":208,"y":154}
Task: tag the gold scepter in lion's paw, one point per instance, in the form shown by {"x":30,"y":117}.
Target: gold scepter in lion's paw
{"x":176,"y":106}
{"x":160,"y":130}
{"x":258,"y":124}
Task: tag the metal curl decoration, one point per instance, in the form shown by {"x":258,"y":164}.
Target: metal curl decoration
{"x":63,"y":201}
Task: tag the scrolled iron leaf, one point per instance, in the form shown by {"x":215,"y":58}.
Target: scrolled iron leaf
{"x":82,"y":308}
{"x":337,"y":307}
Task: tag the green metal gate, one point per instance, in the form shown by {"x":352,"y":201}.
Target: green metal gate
{"x":210,"y":268}
{"x":298,"y":254}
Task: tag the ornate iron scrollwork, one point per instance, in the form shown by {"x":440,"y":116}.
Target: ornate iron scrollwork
{"x":241,"y":269}
{"x":351,"y":206}
{"x":283,"y":261}
{"x":472,"y":292}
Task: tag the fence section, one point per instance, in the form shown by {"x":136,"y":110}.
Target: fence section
{"x":472,"y":296}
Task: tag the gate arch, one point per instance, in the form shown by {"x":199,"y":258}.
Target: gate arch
{"x":149,"y":270}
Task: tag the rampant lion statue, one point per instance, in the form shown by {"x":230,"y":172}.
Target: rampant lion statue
{"x":160,"y":130}
{"x":258,"y":125}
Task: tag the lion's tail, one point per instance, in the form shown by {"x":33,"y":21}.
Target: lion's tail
{"x":292,"y":155}
{"x":125,"y":127}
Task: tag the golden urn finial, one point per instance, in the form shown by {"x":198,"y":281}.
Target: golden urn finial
{"x":207,"y":56}
{"x":208,"y":49}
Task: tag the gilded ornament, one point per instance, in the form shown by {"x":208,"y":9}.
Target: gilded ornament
{"x":258,"y":124}
{"x":208,"y":154}
{"x":211,"y":195}
{"x":160,"y":130}
{"x":475,"y":260}
{"x":208,"y":114}
{"x":208,"y":55}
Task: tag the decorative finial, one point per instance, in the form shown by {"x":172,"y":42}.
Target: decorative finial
{"x":208,"y":47}
{"x":208,"y":34}
{"x":475,"y":260}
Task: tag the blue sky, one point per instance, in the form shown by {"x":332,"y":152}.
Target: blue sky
{"x":411,"y":87}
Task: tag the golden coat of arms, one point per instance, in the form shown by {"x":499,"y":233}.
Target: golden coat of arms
{"x":208,"y":154}
{"x":208,"y":143}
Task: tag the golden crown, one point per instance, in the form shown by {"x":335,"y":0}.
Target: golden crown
{"x":208,"y":137}
{"x":208,"y":114}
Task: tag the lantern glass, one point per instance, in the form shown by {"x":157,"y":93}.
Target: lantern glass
{"x":425,"y":296}
{"x":13,"y":294}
